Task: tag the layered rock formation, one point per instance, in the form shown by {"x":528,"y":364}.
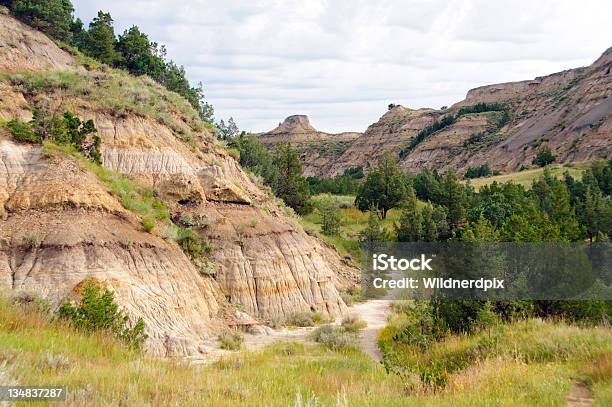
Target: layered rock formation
{"x":318,"y":150}
{"x":61,"y":224}
{"x":569,"y":112}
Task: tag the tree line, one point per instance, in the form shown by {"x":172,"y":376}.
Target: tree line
{"x":132,"y":51}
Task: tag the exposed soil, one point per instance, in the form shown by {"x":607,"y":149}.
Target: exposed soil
{"x":580,"y":395}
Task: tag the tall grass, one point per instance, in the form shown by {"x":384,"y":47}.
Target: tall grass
{"x":532,"y":364}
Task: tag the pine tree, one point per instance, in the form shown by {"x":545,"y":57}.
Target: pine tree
{"x":410,"y":227}
{"x":455,"y":200}
{"x":99,"y":40}
{"x":384,"y":187}
{"x":430,"y":230}
{"x":291,"y":185}
{"x":53,"y":17}
{"x":374,"y":232}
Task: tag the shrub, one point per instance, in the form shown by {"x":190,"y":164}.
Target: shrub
{"x":301,"y":319}
{"x":544,"y":157}
{"x":148,"y":224}
{"x":30,"y":301}
{"x":230,"y":340}
{"x":330,"y":218}
{"x":21,"y":132}
{"x":192,"y":245}
{"x":333,"y":337}
{"x":478,"y":172}
{"x":352,"y":323}
{"x":97,"y":311}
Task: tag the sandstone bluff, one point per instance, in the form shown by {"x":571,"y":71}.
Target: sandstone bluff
{"x":59,"y":225}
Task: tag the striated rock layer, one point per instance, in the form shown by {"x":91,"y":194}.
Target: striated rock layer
{"x":318,"y":150}
{"x":60,"y":225}
{"x":569,"y":112}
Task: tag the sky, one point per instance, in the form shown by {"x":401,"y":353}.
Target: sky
{"x":343,"y":62}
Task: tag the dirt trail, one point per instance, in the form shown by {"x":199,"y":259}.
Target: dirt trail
{"x":374,"y":313}
{"x":580,"y":396}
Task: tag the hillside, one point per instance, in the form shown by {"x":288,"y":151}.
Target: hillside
{"x":318,"y":150}
{"x":569,"y":112}
{"x":63,"y":221}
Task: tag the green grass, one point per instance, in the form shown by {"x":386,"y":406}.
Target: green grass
{"x":132,"y":196}
{"x":115,"y":92}
{"x":527,"y":177}
{"x":533,"y":364}
{"x":353,"y":222}
{"x":540,"y":358}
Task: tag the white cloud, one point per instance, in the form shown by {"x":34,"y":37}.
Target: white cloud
{"x":342,"y":62}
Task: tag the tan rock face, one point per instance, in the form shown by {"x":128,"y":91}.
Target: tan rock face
{"x":318,"y":150}
{"x":24,"y":49}
{"x":570,"y":112}
{"x":60,"y":225}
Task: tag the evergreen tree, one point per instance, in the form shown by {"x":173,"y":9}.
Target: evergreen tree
{"x":139,"y":56}
{"x":291,"y":186}
{"x":99,"y":40}
{"x":410,"y":227}
{"x":374,"y":232}
{"x":53,"y":17}
{"x":455,"y":200}
{"x":430,"y":230}
{"x":384,"y":187}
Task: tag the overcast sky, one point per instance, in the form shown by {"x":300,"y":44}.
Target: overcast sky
{"x":343,"y":62}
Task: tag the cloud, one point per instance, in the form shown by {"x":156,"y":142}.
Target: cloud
{"x":342,"y":62}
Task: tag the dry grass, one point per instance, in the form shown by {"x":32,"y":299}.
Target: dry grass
{"x":527,"y":177}
{"x":97,"y":371}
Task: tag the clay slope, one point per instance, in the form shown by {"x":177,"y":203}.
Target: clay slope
{"x":60,"y":224}
{"x":570,"y":112}
{"x":318,"y":150}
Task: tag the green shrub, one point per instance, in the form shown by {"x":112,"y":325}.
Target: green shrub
{"x":544,"y":157}
{"x":335,"y":338}
{"x":330,"y":217}
{"x":97,"y":311}
{"x":352,"y":323}
{"x":148,"y":224}
{"x":230,"y":340}
{"x":21,"y":132}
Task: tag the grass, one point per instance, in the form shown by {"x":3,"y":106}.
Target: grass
{"x":115,"y":92}
{"x":353,"y":222}
{"x":132,"y":196}
{"x":527,"y":177}
{"x":541,"y":358}
{"x":533,"y":363}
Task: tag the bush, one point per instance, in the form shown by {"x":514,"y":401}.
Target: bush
{"x":333,"y":337}
{"x":301,"y":319}
{"x":97,"y":311}
{"x":30,"y":301}
{"x":544,"y":157}
{"x":352,"y":323}
{"x":478,"y":172}
{"x":21,"y":132}
{"x":148,"y":224}
{"x":231,"y":340}
{"x":330,"y":218}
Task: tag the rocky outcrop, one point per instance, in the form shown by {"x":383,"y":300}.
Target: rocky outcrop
{"x":569,"y":112}
{"x":25,"y":49}
{"x":62,"y":225}
{"x":318,"y":150}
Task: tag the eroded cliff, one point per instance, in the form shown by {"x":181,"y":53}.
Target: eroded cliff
{"x":61,"y":224}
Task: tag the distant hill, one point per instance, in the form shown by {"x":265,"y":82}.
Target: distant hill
{"x":504,"y":125}
{"x":318,"y":150}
